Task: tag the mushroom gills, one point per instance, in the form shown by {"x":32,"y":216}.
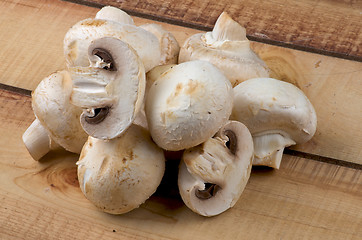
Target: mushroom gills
{"x":268,"y":149}
{"x":97,"y":115}
{"x":209,"y":191}
{"x":105,"y":58}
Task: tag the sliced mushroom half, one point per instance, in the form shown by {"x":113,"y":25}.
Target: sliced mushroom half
{"x":227,"y":48}
{"x":118,"y":175}
{"x":110,"y":90}
{"x":278,"y":115}
{"x":213,"y":175}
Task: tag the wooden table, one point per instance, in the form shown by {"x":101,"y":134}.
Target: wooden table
{"x":317,"y":192}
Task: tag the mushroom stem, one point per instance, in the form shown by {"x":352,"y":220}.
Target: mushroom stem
{"x":268,"y":149}
{"x":37,"y":140}
{"x":227,"y":29}
{"x":114,"y":14}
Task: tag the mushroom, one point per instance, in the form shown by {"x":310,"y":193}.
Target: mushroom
{"x":227,"y":48}
{"x":57,"y":120}
{"x":213,"y":175}
{"x":169,"y":46}
{"x":278,"y":115}
{"x":110,"y":90}
{"x":79,"y":37}
{"x":118,"y":175}
{"x":187,"y":105}
{"x":114,"y":14}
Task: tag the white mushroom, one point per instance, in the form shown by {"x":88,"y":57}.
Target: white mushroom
{"x":187,"y":105}
{"x":79,"y":37}
{"x":227,"y":48}
{"x":111,"y":90}
{"x":213,"y":175}
{"x":169,"y":46}
{"x":118,"y":175}
{"x":114,"y":14}
{"x":57,"y":120}
{"x":278,"y":115}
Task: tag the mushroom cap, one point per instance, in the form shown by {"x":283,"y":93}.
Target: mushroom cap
{"x":213,"y":175}
{"x":169,"y":46}
{"x":79,"y":37}
{"x":114,"y":14}
{"x":118,"y":175}
{"x":52,"y":107}
{"x":111,"y":90}
{"x":269,"y":106}
{"x":227,"y":48}
{"x":187,"y":105}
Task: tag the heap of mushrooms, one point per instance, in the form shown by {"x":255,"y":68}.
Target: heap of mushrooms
{"x":130,"y":94}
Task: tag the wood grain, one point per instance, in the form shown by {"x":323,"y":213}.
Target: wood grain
{"x":41,"y":200}
{"x":333,"y":85}
{"x":324,"y":26}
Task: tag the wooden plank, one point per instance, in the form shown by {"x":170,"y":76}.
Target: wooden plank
{"x":305,"y":199}
{"x":318,"y":26}
{"x":333,"y":85}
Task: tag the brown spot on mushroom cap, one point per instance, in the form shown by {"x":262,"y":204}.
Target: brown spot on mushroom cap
{"x":93,"y":22}
{"x":72,"y":50}
{"x":193,"y":89}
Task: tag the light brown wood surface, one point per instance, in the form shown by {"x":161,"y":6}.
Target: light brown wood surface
{"x":305,"y":199}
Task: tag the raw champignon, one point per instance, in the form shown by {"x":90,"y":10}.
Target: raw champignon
{"x":110,"y":90}
{"x":278,"y":115}
{"x":187,"y":105}
{"x":57,"y":120}
{"x":119,"y":175}
{"x":213,"y":175}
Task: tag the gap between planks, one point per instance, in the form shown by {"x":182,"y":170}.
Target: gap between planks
{"x":287,"y":151}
